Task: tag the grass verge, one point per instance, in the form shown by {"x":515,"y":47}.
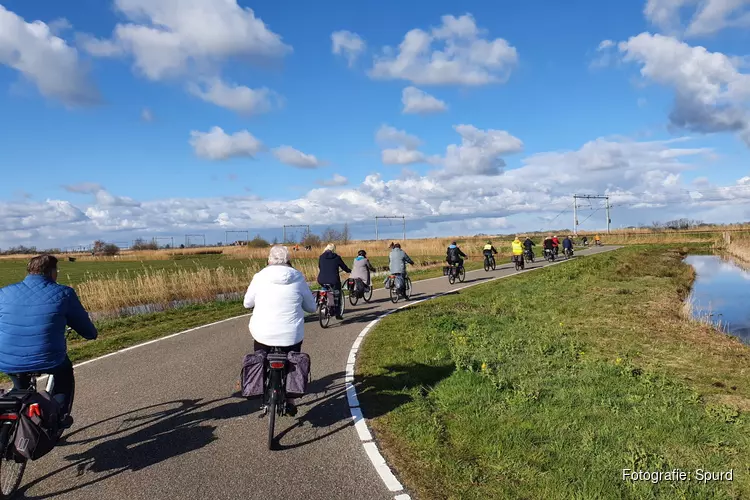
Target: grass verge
{"x":549,"y":384}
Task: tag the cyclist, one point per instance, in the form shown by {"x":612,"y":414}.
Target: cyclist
{"x":568,"y":244}
{"x":33,"y":317}
{"x":361,"y":268}
{"x":597,"y":240}
{"x":585,"y":240}
{"x":279,"y":297}
{"x":489,"y":250}
{"x":329,"y":265}
{"x":397,"y":263}
{"x":528,"y":245}
{"x":517,"y":250}
{"x":556,"y":245}
{"x":454,"y":255}
{"x":548,"y":246}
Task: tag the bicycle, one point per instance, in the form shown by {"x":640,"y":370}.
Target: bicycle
{"x":549,"y":255}
{"x":395,"y":293}
{"x":489,"y":262}
{"x":353,"y":298}
{"x":568,"y":253}
{"x":325,"y":311}
{"x":456,"y":271}
{"x":12,"y":464}
{"x":528,"y":255}
{"x":274,"y":402}
{"x":518,"y":260}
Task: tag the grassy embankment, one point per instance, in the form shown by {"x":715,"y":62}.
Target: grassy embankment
{"x":548,"y":384}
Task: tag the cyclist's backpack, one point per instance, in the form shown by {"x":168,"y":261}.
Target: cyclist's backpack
{"x":252,"y":374}
{"x":298,"y":374}
{"x":37,"y":431}
{"x":453,"y":255}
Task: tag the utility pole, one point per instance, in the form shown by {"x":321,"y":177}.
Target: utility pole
{"x":283,"y":230}
{"x":403,"y":222}
{"x":576,"y":197}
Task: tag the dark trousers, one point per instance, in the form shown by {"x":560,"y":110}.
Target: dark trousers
{"x":64,"y":383}
{"x":257,"y":346}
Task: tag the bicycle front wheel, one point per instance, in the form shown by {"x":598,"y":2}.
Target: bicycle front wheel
{"x":494,"y":264}
{"x":11,"y":467}
{"x":461,"y":275}
{"x":368,"y":294}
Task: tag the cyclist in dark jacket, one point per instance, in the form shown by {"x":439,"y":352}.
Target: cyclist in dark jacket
{"x":329,"y":265}
{"x":454,"y":255}
{"x":567,"y":244}
{"x":529,"y":245}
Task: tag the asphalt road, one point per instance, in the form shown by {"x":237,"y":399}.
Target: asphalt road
{"x":162,"y":421}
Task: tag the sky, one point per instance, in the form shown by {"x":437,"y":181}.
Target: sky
{"x":124,"y":119}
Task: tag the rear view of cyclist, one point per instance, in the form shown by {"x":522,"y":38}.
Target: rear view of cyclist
{"x":528,"y":245}
{"x":329,"y":265}
{"x":489,"y":250}
{"x":453,"y":255}
{"x":567,"y":245}
{"x":398,"y":261}
{"x":517,"y":247}
{"x":33,"y":317}
{"x":279,"y":297}
{"x":549,"y":247}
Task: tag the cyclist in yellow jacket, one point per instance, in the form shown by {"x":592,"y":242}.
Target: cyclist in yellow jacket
{"x":517,"y":249}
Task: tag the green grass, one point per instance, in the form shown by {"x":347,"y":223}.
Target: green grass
{"x":548,"y":384}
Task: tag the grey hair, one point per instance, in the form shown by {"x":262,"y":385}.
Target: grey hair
{"x":279,"y":255}
{"x":330,"y":247}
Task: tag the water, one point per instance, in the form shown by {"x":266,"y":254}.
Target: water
{"x":721,"y":294}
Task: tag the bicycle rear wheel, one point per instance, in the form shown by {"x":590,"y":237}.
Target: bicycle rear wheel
{"x":353,"y":299}
{"x":323,"y":316}
{"x":394,"y":295}
{"x":487,"y":264}
{"x":407,"y":289}
{"x":11,"y":470}
{"x":271,"y":419}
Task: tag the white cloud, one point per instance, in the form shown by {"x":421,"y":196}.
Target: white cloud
{"x":169,"y":38}
{"x":59,"y":26}
{"x":405,"y":152}
{"x":402,"y":156}
{"x":218,"y":145}
{"x":107,"y":199}
{"x":147,"y":115}
{"x":45,"y":60}
{"x":387,"y":135}
{"x":83,"y":187}
{"x":711,"y":93}
{"x":296,"y":158}
{"x":709,"y":17}
{"x":416,"y":101}
{"x":337,"y":180}
{"x":480,"y":151}
{"x":238,"y":98}
{"x":466,"y":58}
{"x":347,"y":44}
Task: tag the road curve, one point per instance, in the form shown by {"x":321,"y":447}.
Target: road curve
{"x":163,"y":422}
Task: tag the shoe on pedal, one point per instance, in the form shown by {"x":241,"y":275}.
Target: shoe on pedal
{"x":66,"y":422}
{"x":291,"y":409}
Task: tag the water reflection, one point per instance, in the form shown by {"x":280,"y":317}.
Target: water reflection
{"x":721,"y":294}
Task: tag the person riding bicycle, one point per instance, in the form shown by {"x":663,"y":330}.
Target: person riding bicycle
{"x":397,"y":263}
{"x":361,"y":268}
{"x":549,"y":247}
{"x":453,"y":255}
{"x":489,"y":250}
{"x":33,"y":317}
{"x":517,"y":247}
{"x":556,"y":245}
{"x":597,"y":240}
{"x":279,"y":297}
{"x":585,"y":240}
{"x":329,"y":265}
{"x":528,"y":245}
{"x":567,"y":244}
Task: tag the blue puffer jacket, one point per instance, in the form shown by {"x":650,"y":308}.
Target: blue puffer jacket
{"x":33,"y":316}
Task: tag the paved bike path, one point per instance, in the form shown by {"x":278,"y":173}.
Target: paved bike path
{"x":162,"y":421}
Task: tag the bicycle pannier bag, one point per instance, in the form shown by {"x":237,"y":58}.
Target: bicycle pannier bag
{"x":359,"y":288}
{"x":298,"y":374}
{"x":252,"y":374}
{"x":36,"y":435}
{"x":399,"y":282}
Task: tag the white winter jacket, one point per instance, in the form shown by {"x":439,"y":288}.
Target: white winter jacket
{"x":280,"y":296}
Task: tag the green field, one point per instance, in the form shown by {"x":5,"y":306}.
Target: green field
{"x":72,"y":273}
{"x":549,"y":384}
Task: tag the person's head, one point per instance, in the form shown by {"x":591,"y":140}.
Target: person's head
{"x":397,"y":245}
{"x":278,"y":256}
{"x":517,"y":238}
{"x":43,"y":265}
{"x":453,"y":242}
{"x":489,"y":242}
{"x":330,"y":248}
{"x":362,"y":253}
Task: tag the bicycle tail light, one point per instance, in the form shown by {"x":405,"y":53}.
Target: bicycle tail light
{"x":277,"y":365}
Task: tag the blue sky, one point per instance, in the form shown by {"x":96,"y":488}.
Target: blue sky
{"x":108,"y":106}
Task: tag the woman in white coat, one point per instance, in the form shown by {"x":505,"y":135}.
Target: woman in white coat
{"x":280,"y":297}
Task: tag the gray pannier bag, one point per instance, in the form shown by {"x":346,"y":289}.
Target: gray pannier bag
{"x":298,"y":374}
{"x":252,"y":375}
{"x":37,"y":431}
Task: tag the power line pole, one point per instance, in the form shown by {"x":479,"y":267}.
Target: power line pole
{"x":576,"y":197}
{"x":378,"y":217}
{"x":283,"y":230}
